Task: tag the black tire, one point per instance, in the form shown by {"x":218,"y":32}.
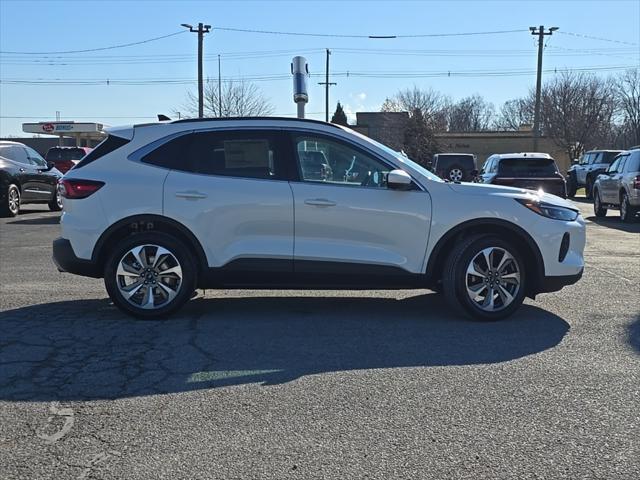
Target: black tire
{"x":627,"y":212}
{"x":588,"y":187}
{"x":11,"y":205}
{"x":598,"y":209}
{"x":455,"y":277}
{"x":572,"y":185}
{"x":181,"y":254}
{"x":455,"y":173}
{"x":55,"y":205}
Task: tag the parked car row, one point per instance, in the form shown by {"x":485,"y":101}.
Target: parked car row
{"x":530,"y":170}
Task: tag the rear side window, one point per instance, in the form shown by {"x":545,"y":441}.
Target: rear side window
{"x":247,"y":154}
{"x":110,"y":144}
{"x":527,"y":167}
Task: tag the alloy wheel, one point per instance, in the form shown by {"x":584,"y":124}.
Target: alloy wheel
{"x":14,"y":201}
{"x":455,"y":175}
{"x":149,"y":276}
{"x":492,"y":279}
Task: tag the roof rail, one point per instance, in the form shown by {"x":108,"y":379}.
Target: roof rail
{"x":222,"y":119}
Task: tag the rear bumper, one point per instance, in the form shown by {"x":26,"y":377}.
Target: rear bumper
{"x":66,"y":260}
{"x":555,"y":283}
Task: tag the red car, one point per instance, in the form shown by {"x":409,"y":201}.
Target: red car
{"x":65,"y":158}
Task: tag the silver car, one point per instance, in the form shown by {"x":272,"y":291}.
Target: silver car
{"x":619,"y":187}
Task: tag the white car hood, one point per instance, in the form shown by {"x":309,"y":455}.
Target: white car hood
{"x":511,"y":192}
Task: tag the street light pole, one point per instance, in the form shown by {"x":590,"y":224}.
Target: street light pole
{"x":201,"y":30}
{"x":536,"y":115}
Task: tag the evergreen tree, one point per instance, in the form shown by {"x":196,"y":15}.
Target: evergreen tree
{"x":339,"y":117}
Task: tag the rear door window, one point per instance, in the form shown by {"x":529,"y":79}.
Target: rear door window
{"x":527,"y":167}
{"x":248,"y":154}
{"x":608,"y":157}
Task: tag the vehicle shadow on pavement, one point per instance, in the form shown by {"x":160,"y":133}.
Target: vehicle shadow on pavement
{"x":86,"y":349}
{"x":37,"y":221}
{"x":634,"y":334}
{"x":615,"y":222}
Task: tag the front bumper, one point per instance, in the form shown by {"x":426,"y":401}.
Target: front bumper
{"x":553,"y":284}
{"x":66,"y":260}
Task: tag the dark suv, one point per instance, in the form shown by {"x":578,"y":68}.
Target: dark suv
{"x":456,"y":167}
{"x":584,"y":172}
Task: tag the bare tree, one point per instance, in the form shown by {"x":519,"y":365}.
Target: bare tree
{"x":432,"y":105}
{"x":238,"y":99}
{"x":515,"y":113}
{"x":419,"y":141}
{"x":577,"y":111}
{"x":470,"y":114}
{"x":627,"y":96}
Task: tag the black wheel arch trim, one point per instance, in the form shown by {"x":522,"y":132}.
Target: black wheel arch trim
{"x":147,"y":218}
{"x":436,"y":254}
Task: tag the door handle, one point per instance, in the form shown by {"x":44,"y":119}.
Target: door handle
{"x":319,"y":202}
{"x":191,"y":195}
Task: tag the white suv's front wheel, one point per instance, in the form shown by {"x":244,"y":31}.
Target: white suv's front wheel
{"x":150,"y":275}
{"x":485,"y":278}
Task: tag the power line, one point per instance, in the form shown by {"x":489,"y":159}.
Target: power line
{"x":374,"y":74}
{"x":112,"y":47}
{"x":340,"y":35}
{"x":580,"y":35}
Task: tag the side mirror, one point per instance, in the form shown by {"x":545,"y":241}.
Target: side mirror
{"x":399,"y":180}
{"x":50,"y":166}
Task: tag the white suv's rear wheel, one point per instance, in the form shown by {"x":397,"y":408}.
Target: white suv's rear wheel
{"x":150,"y":275}
{"x":485,"y":278}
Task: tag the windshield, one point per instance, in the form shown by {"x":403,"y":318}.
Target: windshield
{"x":400,"y":157}
{"x":527,"y":167}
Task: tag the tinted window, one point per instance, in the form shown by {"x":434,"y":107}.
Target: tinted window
{"x":595,"y":158}
{"x":323,"y":160}
{"x":607,"y":157}
{"x":110,"y":144}
{"x":250,"y":154}
{"x":527,"y":167}
{"x":35,"y":157}
{"x":15,"y":153}
{"x":614,"y":166}
{"x":64,"y":154}
{"x":464,"y":161}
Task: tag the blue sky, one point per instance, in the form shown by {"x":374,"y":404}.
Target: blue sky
{"x":46,"y":26}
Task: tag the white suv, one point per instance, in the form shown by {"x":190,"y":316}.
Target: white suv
{"x":159,"y":210}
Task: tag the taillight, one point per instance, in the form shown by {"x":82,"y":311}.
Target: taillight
{"x":636,"y":182}
{"x":76,"y":189}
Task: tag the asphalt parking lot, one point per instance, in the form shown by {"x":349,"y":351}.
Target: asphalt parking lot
{"x":284,"y":384}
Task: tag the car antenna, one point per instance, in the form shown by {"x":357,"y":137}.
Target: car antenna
{"x":163,"y":118}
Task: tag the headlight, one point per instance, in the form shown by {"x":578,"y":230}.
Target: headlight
{"x":549,"y":211}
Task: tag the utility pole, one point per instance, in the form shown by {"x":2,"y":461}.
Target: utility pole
{"x":536,"y":116}
{"x":219,"y":89}
{"x":201,"y":30}
{"x":327,"y":84}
